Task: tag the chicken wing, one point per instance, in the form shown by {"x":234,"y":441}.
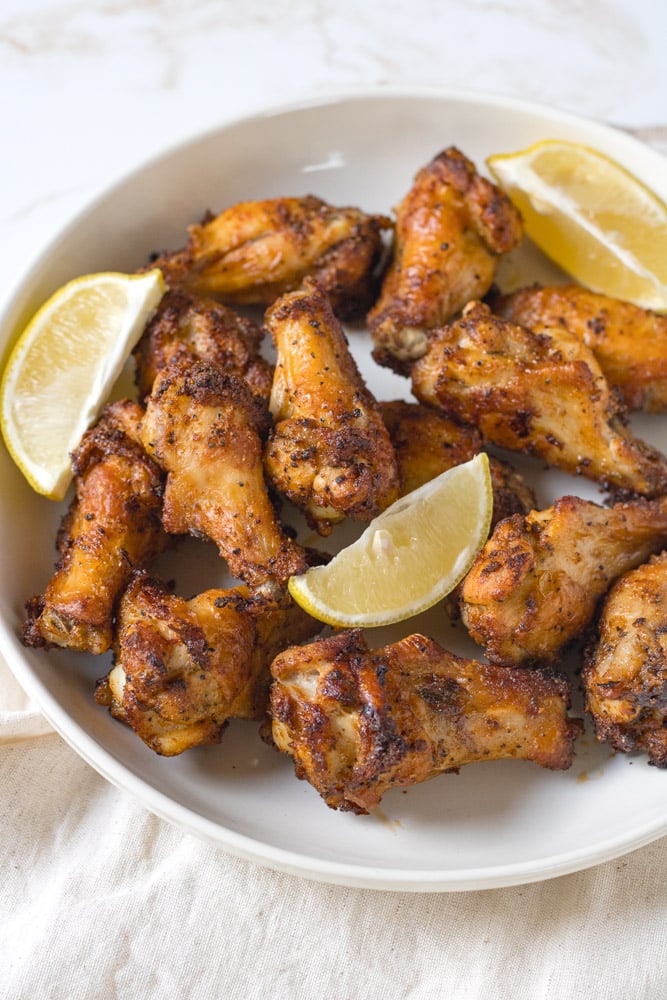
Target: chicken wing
{"x":184,"y":668}
{"x":358,"y":723}
{"x":629,"y":343}
{"x":625,"y":668}
{"x":187,"y":325}
{"x":112,"y":527}
{"x":427,"y":443}
{"x":543,"y":394}
{"x":451,"y":229}
{"x":536,"y":584}
{"x":201,"y":426}
{"x":255,"y":251}
{"x":329,"y":451}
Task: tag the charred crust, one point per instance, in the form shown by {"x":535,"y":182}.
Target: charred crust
{"x":443,"y":695}
{"x":340,"y":686}
{"x":30,"y":634}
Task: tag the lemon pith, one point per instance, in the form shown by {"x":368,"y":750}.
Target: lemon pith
{"x":410,"y":557}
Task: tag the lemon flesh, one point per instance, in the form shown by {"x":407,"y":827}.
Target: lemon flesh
{"x":408,"y":558}
{"x":63,"y":366}
{"x":591,"y":217}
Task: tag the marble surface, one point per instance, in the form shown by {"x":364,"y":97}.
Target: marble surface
{"x":88,"y":90}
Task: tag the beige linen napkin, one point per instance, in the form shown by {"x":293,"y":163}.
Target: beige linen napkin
{"x":20,"y":719}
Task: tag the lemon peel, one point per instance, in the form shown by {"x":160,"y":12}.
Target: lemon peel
{"x":63,"y":365}
{"x":591,"y":216}
{"x":408,"y":558}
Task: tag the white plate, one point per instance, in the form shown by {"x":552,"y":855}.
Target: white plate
{"x":498,"y":823}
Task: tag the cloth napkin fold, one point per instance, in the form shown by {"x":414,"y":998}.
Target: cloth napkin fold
{"x":20,"y":718}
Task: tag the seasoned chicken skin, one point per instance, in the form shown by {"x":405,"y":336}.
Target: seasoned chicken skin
{"x":329,"y":451}
{"x":360,"y":722}
{"x":427,"y":443}
{"x":543,"y":394}
{"x":629,"y":343}
{"x":451,"y":229}
{"x":536,"y":584}
{"x":255,"y":251}
{"x":183,"y":668}
{"x":191,"y":325}
{"x":201,"y":426}
{"x":112,"y":527}
{"x":625,"y":668}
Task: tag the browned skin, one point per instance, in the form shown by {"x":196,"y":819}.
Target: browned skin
{"x":451,"y":228}
{"x":625,"y":668}
{"x":255,"y":251}
{"x":630,"y":343}
{"x":511,"y":492}
{"x":202,"y":427}
{"x":536,"y":584}
{"x":543,"y":394}
{"x":112,"y":527}
{"x":427,"y":443}
{"x":329,"y":452}
{"x":192,"y":325}
{"x":183,"y":668}
{"x":360,"y":722}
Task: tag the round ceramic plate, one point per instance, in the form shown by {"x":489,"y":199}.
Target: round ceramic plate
{"x":496,"y":823}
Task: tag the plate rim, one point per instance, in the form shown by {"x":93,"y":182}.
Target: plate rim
{"x":292,"y":862}
{"x":163,"y":805}
{"x":339,"y":95}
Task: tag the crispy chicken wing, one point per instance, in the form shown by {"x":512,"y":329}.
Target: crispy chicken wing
{"x":426,"y":443}
{"x":186,"y":325}
{"x":625,"y":668}
{"x":630,"y":343}
{"x":451,"y":228}
{"x":112,"y":527}
{"x":511,"y":492}
{"x":329,"y":452}
{"x":255,"y":251}
{"x":202,"y":427}
{"x":360,"y":722}
{"x":543,"y":394}
{"x":184,"y":668}
{"x":536,"y":584}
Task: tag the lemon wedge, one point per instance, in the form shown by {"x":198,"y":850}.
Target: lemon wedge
{"x":408,"y":558}
{"x":591,"y":217}
{"x":63,"y":366}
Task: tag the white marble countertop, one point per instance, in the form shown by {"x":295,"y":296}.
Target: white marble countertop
{"x":87,"y":90}
{"x":90,"y":89}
